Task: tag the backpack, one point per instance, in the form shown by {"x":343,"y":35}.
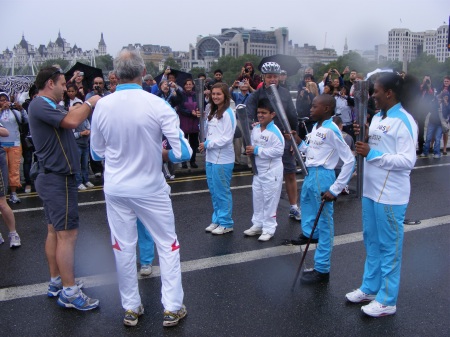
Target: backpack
{"x":24,"y":131}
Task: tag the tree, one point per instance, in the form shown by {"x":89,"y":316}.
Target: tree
{"x":170,"y":62}
{"x":151,"y":68}
{"x":196,"y":71}
{"x":62,"y":63}
{"x":104,"y":62}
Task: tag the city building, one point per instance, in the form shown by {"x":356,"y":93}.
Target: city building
{"x":236,"y":42}
{"x":308,"y":55}
{"x":404,"y":45}
{"x":25,"y":54}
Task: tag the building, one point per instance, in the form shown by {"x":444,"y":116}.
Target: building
{"x":236,"y":42}
{"x":25,"y":54}
{"x":404,"y":45}
{"x":157,"y":54}
{"x":308,"y":55}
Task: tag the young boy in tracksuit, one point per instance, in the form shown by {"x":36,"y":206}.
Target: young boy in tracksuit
{"x":324,"y":149}
{"x":267,"y":147}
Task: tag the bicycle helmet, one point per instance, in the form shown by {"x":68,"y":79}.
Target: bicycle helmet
{"x":271,"y":68}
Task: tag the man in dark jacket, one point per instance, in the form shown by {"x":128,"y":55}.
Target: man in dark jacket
{"x":271,"y":72}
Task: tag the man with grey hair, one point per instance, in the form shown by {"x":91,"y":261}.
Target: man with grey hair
{"x":127,"y":129}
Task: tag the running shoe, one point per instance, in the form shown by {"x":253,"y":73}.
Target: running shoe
{"x":172,"y":318}
{"x":131,"y":317}
{"x":358,"y":296}
{"x":211,"y":227}
{"x":14,"y":240}
{"x":295,"y":213}
{"x":376,"y":309}
{"x":222,"y":230}
{"x":146,"y":270}
{"x":252,"y":231}
{"x":14,"y":198}
{"x":78,"y":301}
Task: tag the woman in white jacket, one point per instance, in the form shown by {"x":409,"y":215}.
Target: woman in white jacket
{"x":220,"y":158}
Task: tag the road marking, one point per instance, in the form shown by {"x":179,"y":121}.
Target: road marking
{"x":100,"y":202}
{"x":39,"y":289}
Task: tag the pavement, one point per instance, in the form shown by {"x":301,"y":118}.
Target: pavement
{"x":235,"y":285}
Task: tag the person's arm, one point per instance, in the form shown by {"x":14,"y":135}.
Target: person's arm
{"x":348,"y":159}
{"x":404,"y":155}
{"x":3,"y":131}
{"x":274,"y":148}
{"x":78,"y":114}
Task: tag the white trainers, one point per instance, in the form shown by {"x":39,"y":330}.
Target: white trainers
{"x":358,"y":296}
{"x":1,"y":239}
{"x":27,"y":189}
{"x":81,"y":187}
{"x":211,"y":227}
{"x":89,"y":184}
{"x":376,"y":309}
{"x":222,"y":230}
{"x":146,"y":270}
{"x":252,"y":231}
{"x":265,"y":237}
{"x":14,"y":240}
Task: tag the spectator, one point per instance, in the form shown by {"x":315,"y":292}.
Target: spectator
{"x":113,"y":81}
{"x":248,"y":71}
{"x":239,"y":97}
{"x":218,"y":76}
{"x":12,"y":116}
{"x":434,"y":129}
{"x":149,"y":84}
{"x":98,"y":88}
{"x":445,"y":92}
{"x":134,"y":186}
{"x":70,"y":96}
{"x":219,"y":158}
{"x":7,"y":213}
{"x":344,"y":109}
{"x":78,"y":80}
{"x":57,"y":155}
{"x":187,"y":109}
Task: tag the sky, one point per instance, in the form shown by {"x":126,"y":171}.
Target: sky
{"x":178,"y":23}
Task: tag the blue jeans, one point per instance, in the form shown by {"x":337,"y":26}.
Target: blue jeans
{"x":83,"y":177}
{"x":146,"y":244}
{"x":433,"y":132}
{"x":218,"y":177}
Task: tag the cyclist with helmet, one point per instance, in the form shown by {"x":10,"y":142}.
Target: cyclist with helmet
{"x":271,"y":72}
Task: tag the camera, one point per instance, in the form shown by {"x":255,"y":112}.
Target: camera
{"x":427,"y":82}
{"x":246,"y":70}
{"x":81,"y":73}
{"x":97,"y":88}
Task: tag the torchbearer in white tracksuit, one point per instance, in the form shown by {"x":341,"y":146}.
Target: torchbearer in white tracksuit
{"x":127,"y":129}
{"x":219,"y":159}
{"x":390,"y":155}
{"x":267,"y":147}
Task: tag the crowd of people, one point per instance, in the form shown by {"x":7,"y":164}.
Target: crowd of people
{"x":57,"y":129}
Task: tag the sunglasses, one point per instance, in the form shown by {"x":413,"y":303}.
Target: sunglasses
{"x":59,"y":71}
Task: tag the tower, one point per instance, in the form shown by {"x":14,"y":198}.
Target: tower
{"x":101,"y":46}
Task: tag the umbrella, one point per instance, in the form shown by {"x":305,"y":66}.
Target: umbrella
{"x":180,"y":75}
{"x":89,"y":73}
{"x":288,"y":63}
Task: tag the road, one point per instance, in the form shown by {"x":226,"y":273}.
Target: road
{"x":236,"y":286}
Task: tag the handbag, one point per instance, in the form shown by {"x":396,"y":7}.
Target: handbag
{"x":444,"y":122}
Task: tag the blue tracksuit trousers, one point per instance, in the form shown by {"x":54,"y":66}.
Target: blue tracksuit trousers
{"x":383,"y":239}
{"x":317,"y":181}
{"x":218,"y":177}
{"x":146,"y":244}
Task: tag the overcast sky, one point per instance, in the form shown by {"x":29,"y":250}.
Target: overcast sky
{"x":177,"y":23}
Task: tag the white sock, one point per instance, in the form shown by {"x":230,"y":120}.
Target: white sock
{"x":70,"y":291}
{"x":56,"y":279}
{"x":294,"y":207}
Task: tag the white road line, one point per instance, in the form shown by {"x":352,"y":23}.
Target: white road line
{"x":40,"y":289}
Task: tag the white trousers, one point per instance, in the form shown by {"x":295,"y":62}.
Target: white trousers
{"x":266,"y":196}
{"x":156,"y":213}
